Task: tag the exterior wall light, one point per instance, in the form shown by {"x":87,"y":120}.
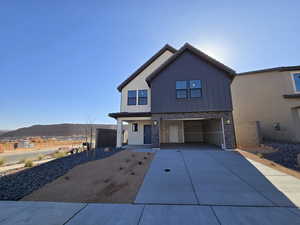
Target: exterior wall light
{"x":276,"y":126}
{"x":228,"y":122}
{"x":155,"y":122}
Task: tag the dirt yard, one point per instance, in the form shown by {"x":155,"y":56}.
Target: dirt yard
{"x":112,"y":180}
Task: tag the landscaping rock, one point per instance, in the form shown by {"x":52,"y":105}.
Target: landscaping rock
{"x":17,"y":185}
{"x":287,"y":154}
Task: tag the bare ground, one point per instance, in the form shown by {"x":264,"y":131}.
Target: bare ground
{"x":111,"y":180}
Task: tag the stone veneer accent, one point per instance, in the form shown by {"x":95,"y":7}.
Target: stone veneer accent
{"x":228,"y":128}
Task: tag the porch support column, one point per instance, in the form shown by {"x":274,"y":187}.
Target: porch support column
{"x":156,"y":131}
{"x":119,"y":133}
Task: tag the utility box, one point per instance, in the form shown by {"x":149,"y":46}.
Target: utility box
{"x":106,"y":138}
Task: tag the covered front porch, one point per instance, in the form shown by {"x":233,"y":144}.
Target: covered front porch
{"x":138,"y":128}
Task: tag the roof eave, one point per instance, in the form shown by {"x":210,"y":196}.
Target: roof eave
{"x":167,"y":47}
{"x":201,"y":54}
{"x":280,"y":69}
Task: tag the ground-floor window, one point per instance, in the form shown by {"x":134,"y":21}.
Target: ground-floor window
{"x":134,"y":127}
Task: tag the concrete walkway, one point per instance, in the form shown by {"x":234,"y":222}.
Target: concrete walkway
{"x":183,"y":187}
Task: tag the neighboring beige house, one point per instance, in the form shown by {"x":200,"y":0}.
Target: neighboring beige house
{"x":270,"y":96}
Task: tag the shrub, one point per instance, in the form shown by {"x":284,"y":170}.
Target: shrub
{"x":260,"y":155}
{"x":40,"y":157}
{"x":28,"y":163}
{"x":2,"y":161}
{"x":59,"y":154}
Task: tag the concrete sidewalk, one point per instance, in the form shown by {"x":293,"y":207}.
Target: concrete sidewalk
{"x":49,"y":213}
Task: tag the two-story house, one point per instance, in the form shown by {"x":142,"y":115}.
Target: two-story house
{"x":178,"y":96}
{"x":271,"y":97}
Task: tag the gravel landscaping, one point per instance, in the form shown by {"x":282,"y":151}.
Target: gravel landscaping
{"x":16,"y":186}
{"x":286,"y":154}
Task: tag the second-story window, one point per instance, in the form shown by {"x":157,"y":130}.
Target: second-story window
{"x":181,"y":89}
{"x":131,"y":97}
{"x":143,"y":97}
{"x":296,"y":77}
{"x":195,"y":89}
{"x":188,"y":89}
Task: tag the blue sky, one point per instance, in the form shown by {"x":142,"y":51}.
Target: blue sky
{"x":61,"y":61}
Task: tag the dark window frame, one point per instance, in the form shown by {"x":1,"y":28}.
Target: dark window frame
{"x":189,"y":90}
{"x":181,"y":90}
{"x":131,"y":100}
{"x":143,"y":100}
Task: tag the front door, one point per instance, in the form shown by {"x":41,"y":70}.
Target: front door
{"x":147,"y":134}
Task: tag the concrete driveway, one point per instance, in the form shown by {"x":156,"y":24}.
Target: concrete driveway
{"x":184,"y":187}
{"x":216,"y":178}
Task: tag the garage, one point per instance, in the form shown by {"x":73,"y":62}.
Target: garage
{"x":195,"y":131}
{"x":207,"y":131}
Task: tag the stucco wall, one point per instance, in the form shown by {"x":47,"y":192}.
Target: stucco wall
{"x":258,"y":97}
{"x":139,"y":83}
{"x":248,"y":134}
{"x":137,"y":138}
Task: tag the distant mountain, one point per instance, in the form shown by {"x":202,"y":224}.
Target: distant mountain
{"x":3,"y":132}
{"x":66,"y":129}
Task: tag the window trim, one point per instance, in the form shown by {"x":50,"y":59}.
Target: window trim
{"x":131,"y":97}
{"x":138,"y":97}
{"x":294,"y":82}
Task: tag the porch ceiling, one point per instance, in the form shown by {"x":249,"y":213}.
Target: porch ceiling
{"x":213,"y":118}
{"x":129,"y":114}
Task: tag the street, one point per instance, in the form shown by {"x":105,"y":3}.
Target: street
{"x":14,"y":157}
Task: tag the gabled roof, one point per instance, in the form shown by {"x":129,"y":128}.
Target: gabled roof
{"x":197,"y":52}
{"x":280,"y":69}
{"x":146,"y":64}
